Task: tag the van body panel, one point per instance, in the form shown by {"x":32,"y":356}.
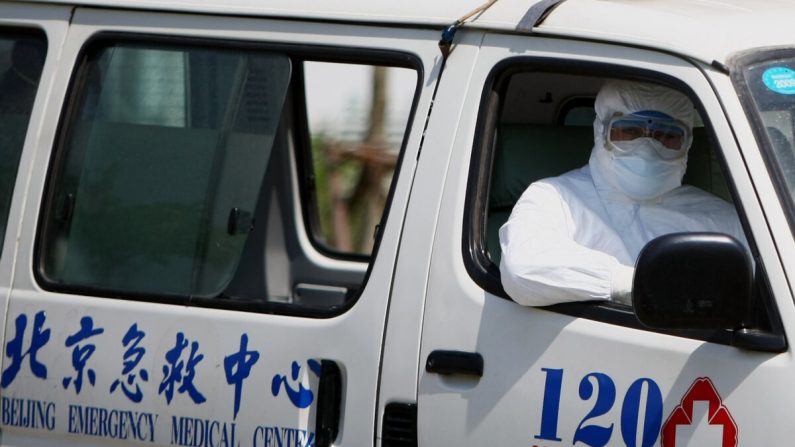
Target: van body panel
{"x":115,"y":326}
{"x":111,"y":370}
{"x":559,"y":377}
{"x":616,"y":21}
{"x":53,"y":22}
{"x":717,"y":32}
{"x":401,"y":359}
{"x":772,"y":215}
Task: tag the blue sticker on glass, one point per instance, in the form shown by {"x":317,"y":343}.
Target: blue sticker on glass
{"x":780,"y":80}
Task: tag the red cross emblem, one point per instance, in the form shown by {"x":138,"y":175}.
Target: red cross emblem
{"x":704,"y":391}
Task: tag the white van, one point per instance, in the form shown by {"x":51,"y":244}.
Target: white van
{"x":169,"y":278}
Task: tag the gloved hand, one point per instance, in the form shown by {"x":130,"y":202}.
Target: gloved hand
{"x":621,"y":284}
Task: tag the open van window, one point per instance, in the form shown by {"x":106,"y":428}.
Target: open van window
{"x":532,"y":139}
{"x":531,"y":144}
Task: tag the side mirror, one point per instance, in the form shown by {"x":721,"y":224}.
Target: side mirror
{"x":693,"y":281}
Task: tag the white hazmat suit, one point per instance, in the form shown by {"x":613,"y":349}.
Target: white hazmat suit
{"x":576,"y":237}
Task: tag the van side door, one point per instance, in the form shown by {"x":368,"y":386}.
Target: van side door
{"x":586,"y":373}
{"x":181,"y":280}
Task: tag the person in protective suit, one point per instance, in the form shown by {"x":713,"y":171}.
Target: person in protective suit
{"x":576,"y":237}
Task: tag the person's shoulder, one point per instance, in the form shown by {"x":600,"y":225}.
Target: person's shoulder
{"x":705,"y":212}
{"x":565,"y":187}
{"x":692,"y":193}
{"x":573,"y":179}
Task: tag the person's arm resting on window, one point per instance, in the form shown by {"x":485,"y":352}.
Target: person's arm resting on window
{"x":542,"y":264}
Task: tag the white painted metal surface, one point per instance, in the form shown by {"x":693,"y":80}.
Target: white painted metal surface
{"x":406,"y":13}
{"x":703,"y":29}
{"x":557,"y":380}
{"x":50,"y":408}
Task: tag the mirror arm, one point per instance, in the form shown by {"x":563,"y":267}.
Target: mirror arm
{"x":759,"y":340}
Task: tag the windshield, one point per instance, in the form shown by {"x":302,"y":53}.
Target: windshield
{"x":769,"y":78}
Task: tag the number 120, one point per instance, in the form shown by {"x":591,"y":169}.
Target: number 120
{"x":596,"y":435}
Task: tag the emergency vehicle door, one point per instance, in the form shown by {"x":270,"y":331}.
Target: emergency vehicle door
{"x":174,"y":286}
{"x":494,"y":372}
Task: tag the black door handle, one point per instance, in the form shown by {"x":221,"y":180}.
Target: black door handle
{"x":329,"y":400}
{"x":455,"y":362}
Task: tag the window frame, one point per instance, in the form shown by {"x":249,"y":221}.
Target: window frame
{"x":482,"y":269}
{"x":294,"y":112}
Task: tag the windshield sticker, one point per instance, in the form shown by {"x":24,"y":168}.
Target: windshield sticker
{"x":780,"y":80}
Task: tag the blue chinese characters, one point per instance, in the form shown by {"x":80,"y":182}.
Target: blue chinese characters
{"x":181,"y":371}
{"x":132,"y":356}
{"x":81,"y":353}
{"x":238,"y":367}
{"x":27,"y":413}
{"x":130,"y":414}
{"x":13,"y":349}
{"x":300,"y":397}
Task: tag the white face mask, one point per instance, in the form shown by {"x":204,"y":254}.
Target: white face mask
{"x":640,"y":172}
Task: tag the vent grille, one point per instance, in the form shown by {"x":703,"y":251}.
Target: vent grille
{"x":400,"y":425}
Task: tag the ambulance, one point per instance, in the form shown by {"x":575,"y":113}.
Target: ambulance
{"x":167,"y":278}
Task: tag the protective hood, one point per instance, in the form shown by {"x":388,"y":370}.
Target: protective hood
{"x":625,"y":179}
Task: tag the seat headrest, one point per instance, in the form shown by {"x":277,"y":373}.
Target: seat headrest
{"x":530,"y":152}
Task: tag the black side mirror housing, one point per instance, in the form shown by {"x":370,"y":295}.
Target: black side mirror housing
{"x":693,"y":281}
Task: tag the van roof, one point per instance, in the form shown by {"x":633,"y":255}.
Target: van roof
{"x":707,"y":30}
{"x":702,"y":29}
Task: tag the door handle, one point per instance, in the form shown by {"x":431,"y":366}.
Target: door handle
{"x":329,"y":400}
{"x":455,"y":362}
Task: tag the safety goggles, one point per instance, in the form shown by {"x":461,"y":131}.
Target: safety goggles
{"x":674,"y":135}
